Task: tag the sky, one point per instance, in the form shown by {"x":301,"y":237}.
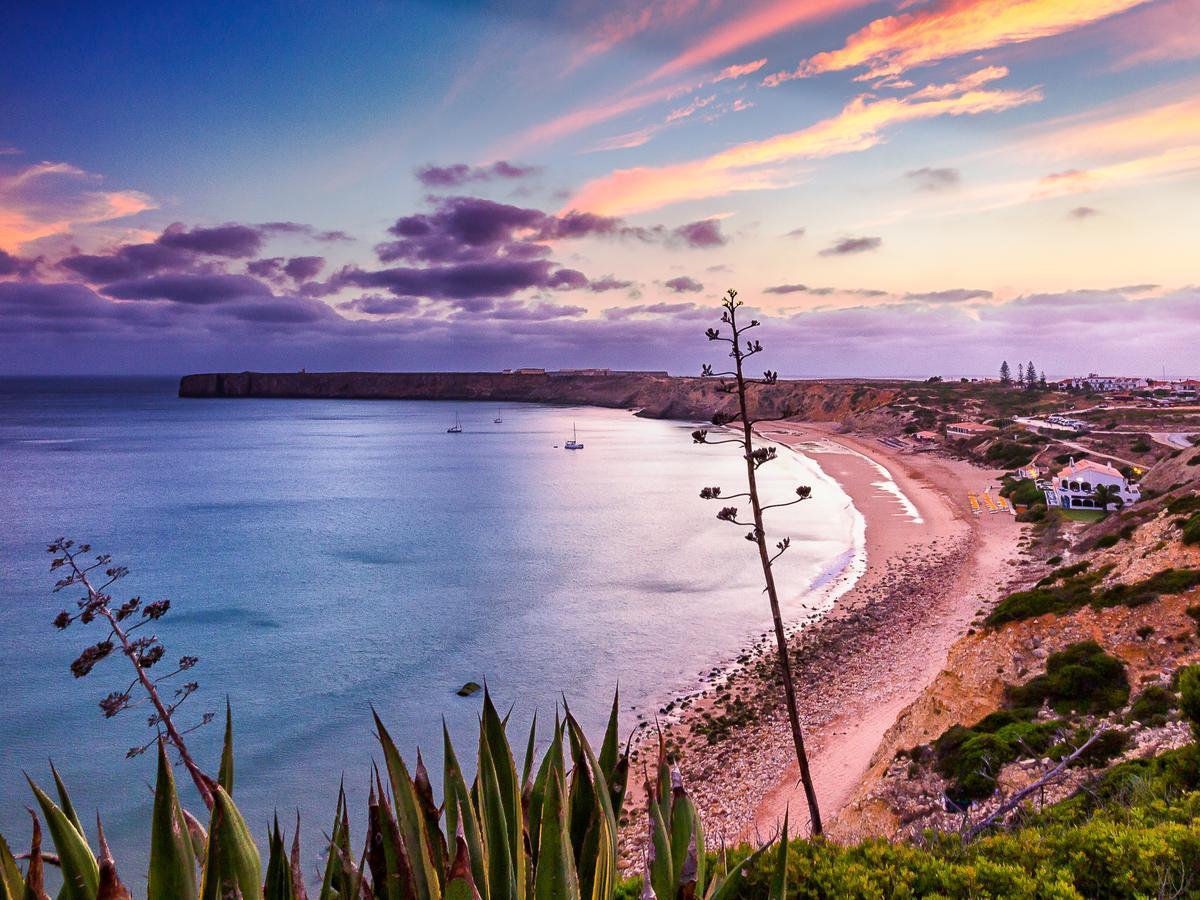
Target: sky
{"x":900,"y":188}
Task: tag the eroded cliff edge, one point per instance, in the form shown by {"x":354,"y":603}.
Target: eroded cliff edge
{"x":656,"y":396}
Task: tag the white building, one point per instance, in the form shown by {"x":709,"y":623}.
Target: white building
{"x":1074,"y":486}
{"x":1107,"y":384}
{"x":968,"y":429}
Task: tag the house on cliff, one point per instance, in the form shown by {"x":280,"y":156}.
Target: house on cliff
{"x":1074,"y":486}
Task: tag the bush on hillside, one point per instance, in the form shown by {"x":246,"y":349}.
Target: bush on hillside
{"x":1080,"y":678}
{"x":1072,"y":588}
{"x":1152,"y":705}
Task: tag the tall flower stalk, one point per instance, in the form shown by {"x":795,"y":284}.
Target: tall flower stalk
{"x":742,"y":423}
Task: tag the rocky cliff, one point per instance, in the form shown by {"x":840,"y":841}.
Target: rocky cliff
{"x":655,"y":396}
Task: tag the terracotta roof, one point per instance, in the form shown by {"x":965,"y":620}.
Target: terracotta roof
{"x":1087,"y":465}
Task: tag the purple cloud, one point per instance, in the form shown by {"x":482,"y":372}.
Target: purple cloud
{"x":376,"y":305}
{"x":15,"y":265}
{"x":490,"y":278}
{"x":851,"y":245}
{"x":307,"y":230}
{"x":796,"y":233}
{"x":931,"y":179}
{"x":705,"y":233}
{"x":608,"y":283}
{"x":1083,"y":212}
{"x":302,"y":268}
{"x":460,"y":173}
{"x":234,"y":241}
{"x":684,"y":285}
{"x":952,"y":295}
{"x":786,"y":289}
{"x":192,"y":289}
{"x":130,"y":261}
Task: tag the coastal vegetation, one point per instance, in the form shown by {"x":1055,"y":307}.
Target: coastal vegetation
{"x":1074,"y":587}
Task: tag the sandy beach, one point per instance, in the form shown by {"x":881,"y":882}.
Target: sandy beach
{"x":931,"y":566}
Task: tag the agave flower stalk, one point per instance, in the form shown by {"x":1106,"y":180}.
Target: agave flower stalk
{"x":740,"y":351}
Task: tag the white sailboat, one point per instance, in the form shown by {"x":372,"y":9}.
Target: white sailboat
{"x":456,"y":428}
{"x":499,"y":416}
{"x":573,"y":444}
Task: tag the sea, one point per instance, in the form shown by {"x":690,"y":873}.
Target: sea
{"x":327,"y":557}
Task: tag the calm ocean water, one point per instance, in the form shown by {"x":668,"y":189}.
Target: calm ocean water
{"x":323,"y":556}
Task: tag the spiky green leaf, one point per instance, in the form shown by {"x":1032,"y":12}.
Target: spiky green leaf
{"x":81,"y":874}
{"x":172,"y":873}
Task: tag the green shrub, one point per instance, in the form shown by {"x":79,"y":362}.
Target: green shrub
{"x":1073,"y":587}
{"x":1010,"y":454}
{"x":1079,"y":678}
{"x":1109,"y":540}
{"x":1189,"y":696}
{"x":1152,"y":706}
{"x":1023,"y":492}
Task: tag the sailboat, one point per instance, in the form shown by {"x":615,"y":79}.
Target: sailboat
{"x":573,"y":444}
{"x":456,"y":428}
{"x":499,"y":416}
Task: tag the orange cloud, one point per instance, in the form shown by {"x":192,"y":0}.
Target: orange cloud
{"x":950,"y":28}
{"x":45,"y":199}
{"x":759,"y":164}
{"x":621,"y":26}
{"x":738,"y":71}
{"x":762,"y":23}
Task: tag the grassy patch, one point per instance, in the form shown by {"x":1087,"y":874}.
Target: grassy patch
{"x":1082,"y":515}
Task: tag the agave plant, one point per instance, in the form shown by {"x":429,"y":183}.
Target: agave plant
{"x":549,"y":834}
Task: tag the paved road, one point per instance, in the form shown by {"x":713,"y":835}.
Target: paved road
{"x":1175,"y":439}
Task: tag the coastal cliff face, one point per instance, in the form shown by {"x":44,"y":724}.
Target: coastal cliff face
{"x":655,"y":396}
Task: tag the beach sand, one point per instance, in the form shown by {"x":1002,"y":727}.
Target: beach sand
{"x":931,"y":566}
{"x":927,"y":578}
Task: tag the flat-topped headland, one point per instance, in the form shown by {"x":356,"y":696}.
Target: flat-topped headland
{"x":655,"y":395}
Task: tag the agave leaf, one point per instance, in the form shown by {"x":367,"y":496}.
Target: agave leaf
{"x":64,"y":801}
{"x":501,"y":874}
{"x":537,"y":793}
{"x":508,"y":788}
{"x":111,"y":887}
{"x":81,"y":875}
{"x":199,"y":835}
{"x":530,"y":747}
{"x":610,"y":745}
{"x":298,"y":889}
{"x":410,"y":818}
{"x":172,"y":874}
{"x":12,"y":885}
{"x":603,"y":879}
{"x":232,"y":860}
{"x":460,"y":882}
{"x":682,"y":824}
{"x":225,"y":775}
{"x":581,"y":807}
{"x":779,"y":880}
{"x":331,"y":883}
{"x":278,"y":885}
{"x":398,"y":876}
{"x":460,"y":814}
{"x":433,"y":819}
{"x":555,"y":877}
{"x":658,"y":851}
{"x":34,"y":887}
{"x":334,"y":885}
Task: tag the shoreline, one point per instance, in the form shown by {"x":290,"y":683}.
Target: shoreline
{"x":930,"y":566}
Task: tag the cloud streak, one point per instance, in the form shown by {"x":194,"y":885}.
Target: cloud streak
{"x":945,"y":29}
{"x":756,"y":165}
